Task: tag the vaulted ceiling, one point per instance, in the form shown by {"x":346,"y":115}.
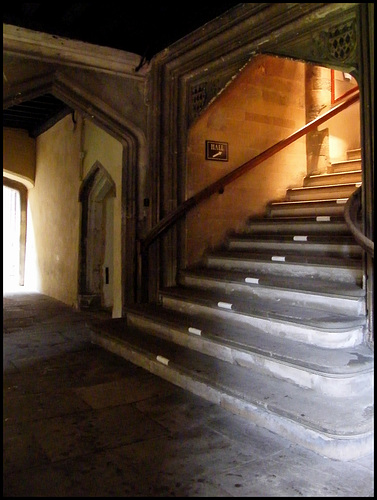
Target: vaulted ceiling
{"x":143,"y":28}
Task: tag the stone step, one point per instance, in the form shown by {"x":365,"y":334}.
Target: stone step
{"x":344,"y":166}
{"x":321,"y":192}
{"x":339,"y":372}
{"x":297,"y":225}
{"x":324,"y":244}
{"x":353,"y":176}
{"x":272,"y":326}
{"x":354,"y":154}
{"x":334,"y":207}
{"x":281,"y":318}
{"x":317,"y":267}
{"x":344,"y":298}
{"x":299,"y":414}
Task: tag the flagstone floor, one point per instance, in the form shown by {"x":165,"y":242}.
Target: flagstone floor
{"x":80,"y":421}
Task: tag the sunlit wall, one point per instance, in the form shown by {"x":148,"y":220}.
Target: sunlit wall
{"x":264,"y":104}
{"x":54,"y":214}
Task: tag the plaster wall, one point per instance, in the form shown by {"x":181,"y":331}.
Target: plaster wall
{"x":54,"y":214}
{"x":264,"y":104}
{"x":19,"y":152}
{"x":99,"y":146}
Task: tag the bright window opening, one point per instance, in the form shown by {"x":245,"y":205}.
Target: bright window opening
{"x":11,"y":238}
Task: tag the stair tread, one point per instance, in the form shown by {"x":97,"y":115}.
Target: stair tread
{"x":290,"y":258}
{"x":334,"y":174}
{"x":307,"y":219}
{"x":311,"y":225}
{"x":346,"y":418}
{"x":309,"y":285}
{"x":323,"y":245}
{"x":347,"y":161}
{"x":274,"y":310}
{"x":344,"y":361}
{"x":319,"y":239}
{"x":329,"y":201}
{"x":317,"y":188}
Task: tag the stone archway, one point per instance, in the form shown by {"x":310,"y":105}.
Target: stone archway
{"x":191,"y":75}
{"x":96,"y":240}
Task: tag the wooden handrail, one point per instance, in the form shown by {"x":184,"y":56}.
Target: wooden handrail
{"x":351,"y":211}
{"x":219,"y":185}
{"x":346,"y":94}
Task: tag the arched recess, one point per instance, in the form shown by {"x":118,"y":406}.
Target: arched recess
{"x":134,"y":159}
{"x":19,"y":186}
{"x":188,"y":77}
{"x":96,"y":239}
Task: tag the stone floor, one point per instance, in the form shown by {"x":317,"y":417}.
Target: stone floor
{"x":80,"y":421}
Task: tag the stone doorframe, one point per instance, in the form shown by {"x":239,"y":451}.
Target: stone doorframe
{"x":190,"y":74}
{"x":97,"y":186}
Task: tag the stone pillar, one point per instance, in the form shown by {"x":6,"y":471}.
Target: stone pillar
{"x":317,"y":97}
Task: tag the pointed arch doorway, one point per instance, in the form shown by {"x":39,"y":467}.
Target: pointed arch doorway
{"x":97,"y":240}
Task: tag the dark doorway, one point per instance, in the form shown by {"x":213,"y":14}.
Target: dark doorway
{"x":96,"y":263}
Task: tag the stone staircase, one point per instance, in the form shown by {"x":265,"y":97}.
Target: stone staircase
{"x":271,"y":326}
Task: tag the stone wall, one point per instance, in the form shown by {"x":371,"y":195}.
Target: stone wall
{"x":264,"y":104}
